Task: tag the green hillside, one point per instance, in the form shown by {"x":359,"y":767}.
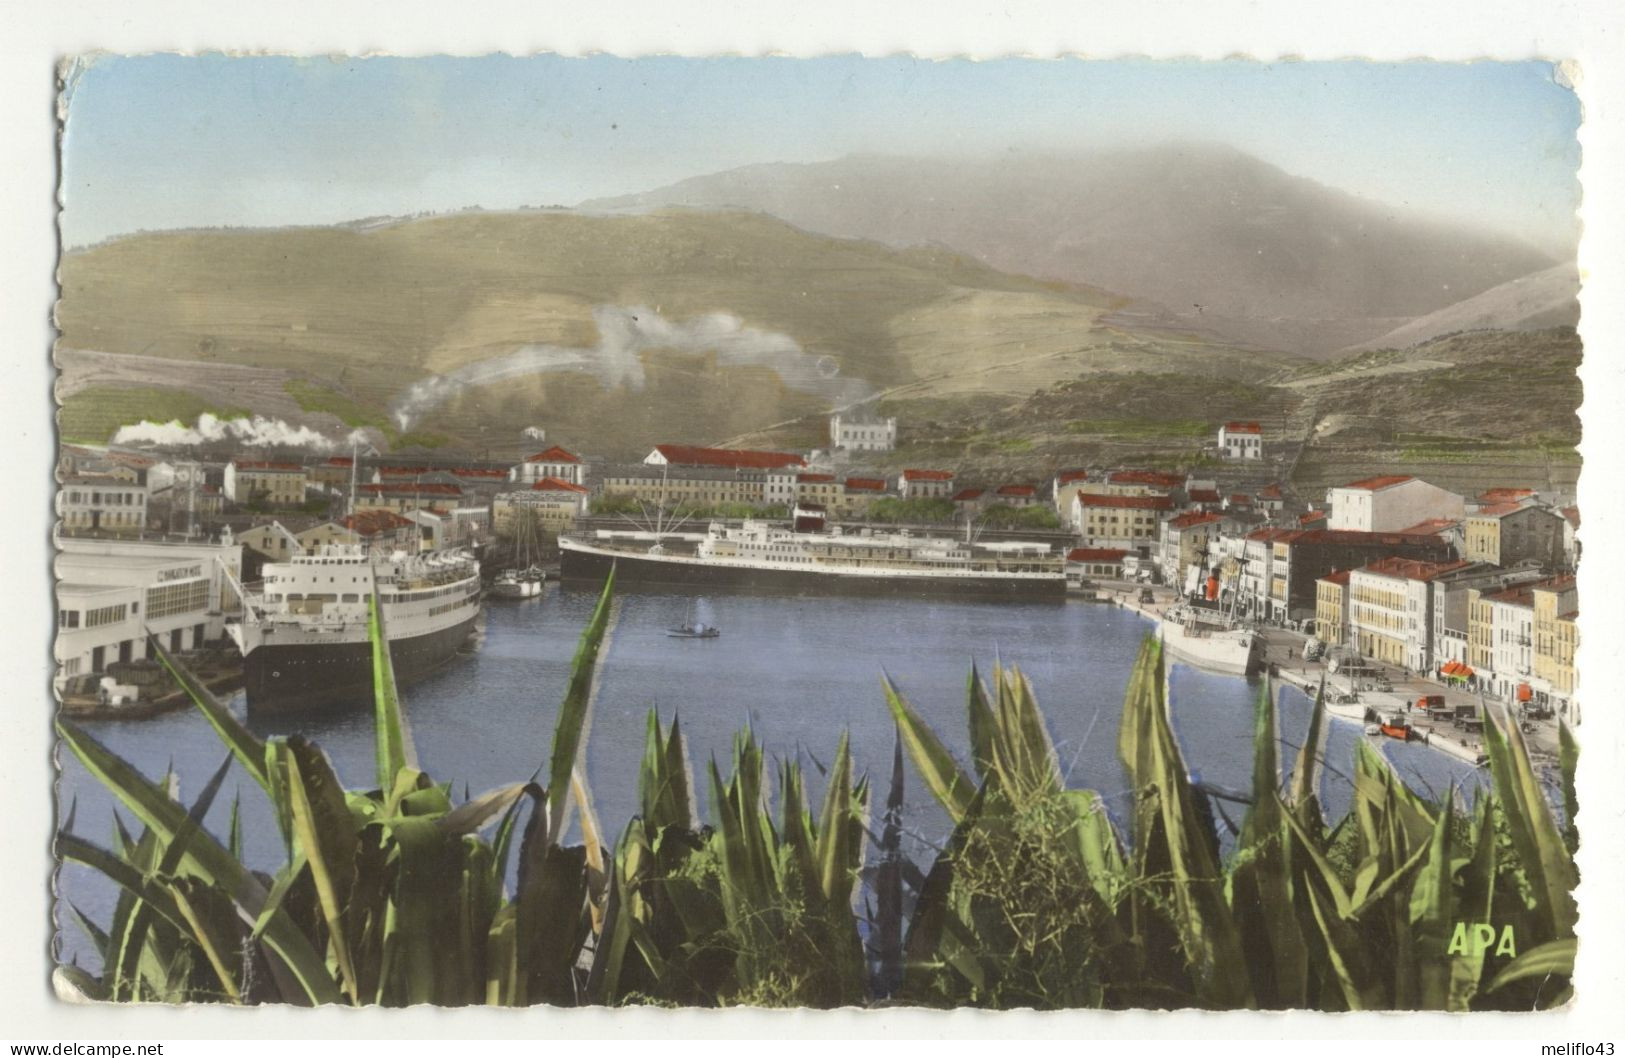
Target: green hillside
{"x":352,"y":317}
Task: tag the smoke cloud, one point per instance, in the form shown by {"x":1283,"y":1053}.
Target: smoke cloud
{"x":255,"y":432}
{"x":625,"y":334}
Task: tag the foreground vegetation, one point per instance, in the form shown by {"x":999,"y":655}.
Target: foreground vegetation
{"x":398,"y":894}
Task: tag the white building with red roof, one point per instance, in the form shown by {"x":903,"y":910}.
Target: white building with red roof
{"x":675,"y":455}
{"x":556,"y":462}
{"x":1085,"y":562}
{"x":556,"y":503}
{"x":916,"y":484}
{"x":1390,"y":503}
{"x":1127,"y":522}
{"x":1015,"y":495}
{"x":1241,"y":440}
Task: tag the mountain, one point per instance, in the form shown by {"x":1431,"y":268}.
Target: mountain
{"x":1548,"y":298}
{"x":1214,"y":239}
{"x":613,"y":332}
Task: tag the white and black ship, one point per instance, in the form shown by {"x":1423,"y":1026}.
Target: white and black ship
{"x":304,"y":635}
{"x":761,"y":555}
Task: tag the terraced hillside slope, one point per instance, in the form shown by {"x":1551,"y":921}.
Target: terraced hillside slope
{"x":613,"y":332}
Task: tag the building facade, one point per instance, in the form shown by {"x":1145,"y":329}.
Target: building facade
{"x":270,"y":483}
{"x":1507,"y":533}
{"x":852,"y":431}
{"x":1241,"y":440}
{"x":1390,"y":504}
{"x":102,"y":505}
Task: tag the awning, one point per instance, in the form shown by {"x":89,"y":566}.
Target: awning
{"x":1524,"y":692}
{"x":1455,"y":670}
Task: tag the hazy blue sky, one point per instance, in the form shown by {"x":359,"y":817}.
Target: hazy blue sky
{"x":168,"y":141}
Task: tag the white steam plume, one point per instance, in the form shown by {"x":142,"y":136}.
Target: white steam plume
{"x":625,"y":333}
{"x":255,"y":432}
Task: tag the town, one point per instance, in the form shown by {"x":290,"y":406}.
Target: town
{"x":1387,"y":581}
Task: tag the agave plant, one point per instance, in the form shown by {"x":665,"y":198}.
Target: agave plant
{"x":389,"y":895}
{"x":745,"y":911}
{"x":1038,"y":900}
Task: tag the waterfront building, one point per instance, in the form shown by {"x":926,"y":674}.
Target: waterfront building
{"x":274,"y":484}
{"x":1450,"y":604}
{"x":1140,"y":483}
{"x":1510,"y":532}
{"x":112,"y":593}
{"x":557,"y":505}
{"x":856,"y":430}
{"x":1390,"y":614}
{"x":969,"y":502}
{"x":1015,"y":495}
{"x":1554,"y":616}
{"x":914,"y":484}
{"x":1300,"y":557}
{"x":675,"y":455}
{"x":1241,"y":440}
{"x":1065,"y":485}
{"x":861,"y":492}
{"x":1390,"y":503}
{"x":272,"y":540}
{"x":1332,"y":608}
{"x":1085,"y":562}
{"x":334,"y":472}
{"x":1185,"y":544}
{"x":87,"y":504}
{"x":402,"y":497}
{"x":825,"y":490}
{"x":557,"y":463}
{"x":1113,"y":521}
{"x":693,"y":486}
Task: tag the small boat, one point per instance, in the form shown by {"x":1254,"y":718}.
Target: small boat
{"x":525,"y":578}
{"x":691,"y":629}
{"x":519,"y":583}
{"x":694,"y":632}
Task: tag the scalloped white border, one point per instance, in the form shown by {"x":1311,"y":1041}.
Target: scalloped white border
{"x":34,"y":34}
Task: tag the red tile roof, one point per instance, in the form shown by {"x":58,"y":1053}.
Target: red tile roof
{"x":249,"y":464}
{"x":1095,"y":554}
{"x":928,"y":475}
{"x":1067,"y":476}
{"x":1311,"y":516}
{"x":865,"y":485}
{"x":817,"y":479}
{"x":1337,"y":576}
{"x":737,"y":458}
{"x":556,"y":485}
{"x":1270,"y":492}
{"x":1145,"y":503}
{"x":1241,"y":427}
{"x":1270,"y":535}
{"x":1496,"y":510}
{"x":1377,"y":484}
{"x":1185,"y":521}
{"x":1204,"y":495}
{"x":1357,"y":536}
{"x":1015,"y":490}
{"x":419,"y":489}
{"x":1502,"y":495}
{"x":967,"y":495}
{"x":371,"y":523}
{"x":1411,"y":569}
{"x":1146,"y":477}
{"x":1431,"y":527}
{"x":340,"y":461}
{"x":554,"y":455}
{"x":1240,"y":499}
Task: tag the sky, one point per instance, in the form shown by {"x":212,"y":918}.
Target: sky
{"x":164,"y":141}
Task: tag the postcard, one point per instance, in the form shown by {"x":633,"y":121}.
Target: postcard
{"x":817,"y":533}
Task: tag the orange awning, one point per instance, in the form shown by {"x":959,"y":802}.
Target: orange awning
{"x":1524,"y":692}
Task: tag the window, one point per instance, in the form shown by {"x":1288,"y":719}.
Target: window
{"x":67,"y":618}
{"x":105,"y":615}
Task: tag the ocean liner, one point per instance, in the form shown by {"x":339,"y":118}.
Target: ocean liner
{"x":304,"y":638}
{"x":759,"y":554}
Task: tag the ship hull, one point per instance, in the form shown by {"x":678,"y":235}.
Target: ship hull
{"x":1224,"y":652}
{"x":304,"y":677}
{"x":582,"y":565}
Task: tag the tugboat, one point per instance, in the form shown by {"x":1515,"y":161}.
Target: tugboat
{"x":690,"y":629}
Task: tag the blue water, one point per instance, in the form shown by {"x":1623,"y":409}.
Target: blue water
{"x":798,"y":671}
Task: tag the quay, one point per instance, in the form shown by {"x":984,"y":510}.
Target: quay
{"x":1282,"y":656}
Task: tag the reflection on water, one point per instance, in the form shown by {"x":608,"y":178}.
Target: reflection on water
{"x":798,"y":671}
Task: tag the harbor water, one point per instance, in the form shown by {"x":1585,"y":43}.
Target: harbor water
{"x":798,"y":671}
